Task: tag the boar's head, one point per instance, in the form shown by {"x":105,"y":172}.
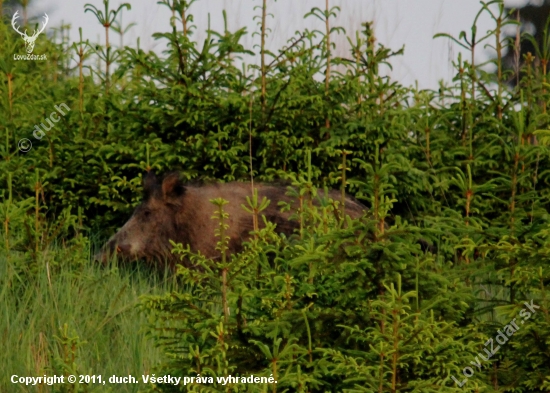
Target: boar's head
{"x":154,"y":222}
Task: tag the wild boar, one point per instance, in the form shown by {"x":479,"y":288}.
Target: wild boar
{"x":172,"y":210}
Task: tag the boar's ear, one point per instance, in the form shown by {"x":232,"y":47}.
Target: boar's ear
{"x":172,"y":186}
{"x":150,"y":184}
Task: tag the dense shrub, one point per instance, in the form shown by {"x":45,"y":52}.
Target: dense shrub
{"x":343,"y":305}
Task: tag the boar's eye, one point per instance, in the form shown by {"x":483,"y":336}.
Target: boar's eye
{"x":146,"y":213}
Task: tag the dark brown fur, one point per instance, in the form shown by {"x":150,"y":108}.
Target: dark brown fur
{"x":183,"y":213}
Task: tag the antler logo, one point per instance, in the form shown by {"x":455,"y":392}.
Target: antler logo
{"x":29,"y":41}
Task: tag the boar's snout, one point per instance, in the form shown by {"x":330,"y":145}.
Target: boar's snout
{"x":99,"y":257}
{"x":123,"y":249}
{"x":146,"y":235}
{"x":113,"y":247}
{"x":118,"y":247}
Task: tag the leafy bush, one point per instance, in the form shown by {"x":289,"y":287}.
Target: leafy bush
{"x":343,"y":305}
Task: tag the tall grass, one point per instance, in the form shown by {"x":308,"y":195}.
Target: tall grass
{"x":66,"y":320}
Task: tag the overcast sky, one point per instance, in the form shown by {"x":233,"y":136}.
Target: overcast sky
{"x":412,"y":23}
